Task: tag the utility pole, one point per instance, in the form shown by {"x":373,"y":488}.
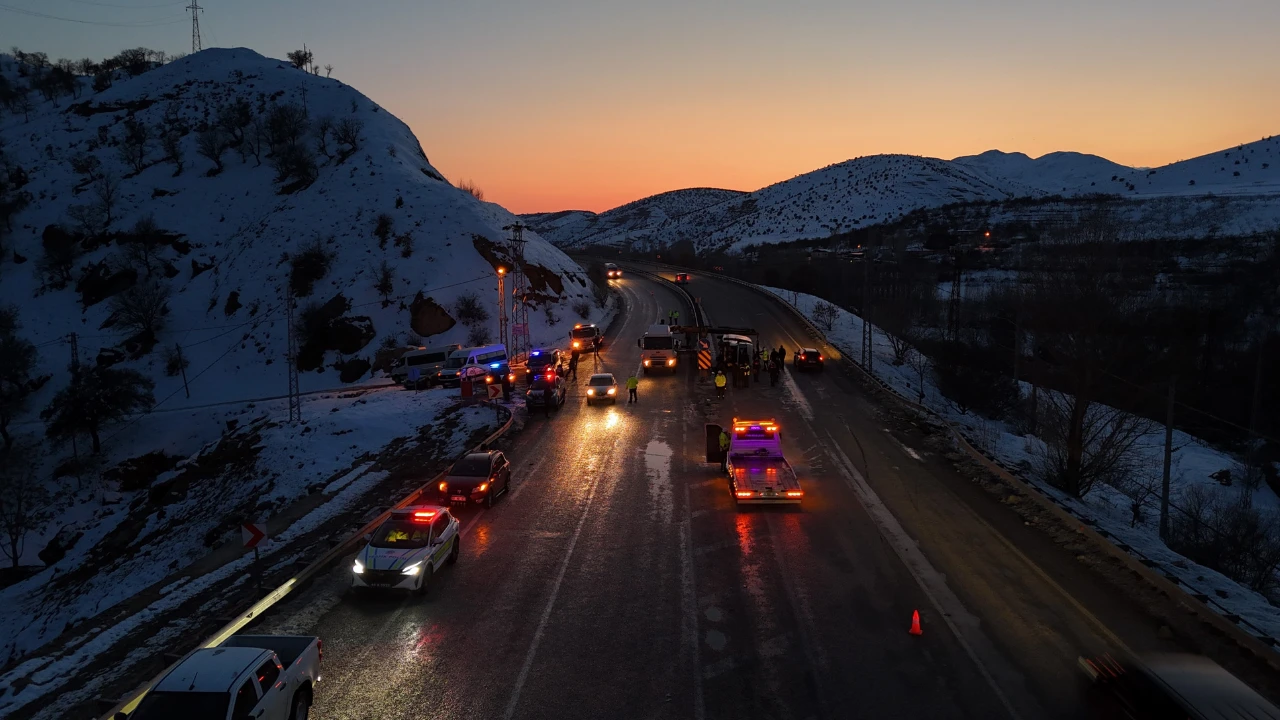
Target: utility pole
{"x":503,"y":328}
{"x":195,"y":10}
{"x":519,"y":348}
{"x":1168,"y":460}
{"x":295,"y":398}
{"x":866,"y":306}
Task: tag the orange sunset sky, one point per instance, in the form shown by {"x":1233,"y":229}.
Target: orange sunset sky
{"x":560,"y":104}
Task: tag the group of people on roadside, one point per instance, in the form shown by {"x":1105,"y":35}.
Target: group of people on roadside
{"x":772,"y":360}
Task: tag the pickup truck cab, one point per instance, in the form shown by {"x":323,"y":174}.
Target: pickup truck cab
{"x":247,"y":677}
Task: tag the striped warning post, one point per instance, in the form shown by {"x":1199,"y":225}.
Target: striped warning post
{"x":704,"y":359}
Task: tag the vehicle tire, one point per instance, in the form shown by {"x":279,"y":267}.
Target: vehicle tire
{"x":425,"y":585}
{"x":453,"y":554}
{"x":301,"y":706}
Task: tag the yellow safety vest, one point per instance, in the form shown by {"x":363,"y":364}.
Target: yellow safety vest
{"x":721,"y":380}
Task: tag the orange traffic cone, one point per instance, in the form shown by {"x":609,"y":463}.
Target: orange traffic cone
{"x":915,"y":623}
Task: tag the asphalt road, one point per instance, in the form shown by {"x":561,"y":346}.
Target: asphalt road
{"x":619,"y":580}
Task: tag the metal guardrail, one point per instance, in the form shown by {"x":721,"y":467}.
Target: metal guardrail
{"x":1258,"y":643}
{"x":130,"y":702}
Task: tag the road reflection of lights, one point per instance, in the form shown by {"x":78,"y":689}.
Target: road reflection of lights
{"x":612,"y":419}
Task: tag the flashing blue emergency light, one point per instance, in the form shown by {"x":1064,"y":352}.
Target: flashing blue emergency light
{"x":494,"y":365}
{"x":536,"y":352}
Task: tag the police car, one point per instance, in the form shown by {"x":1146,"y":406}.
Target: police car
{"x":407,"y":550}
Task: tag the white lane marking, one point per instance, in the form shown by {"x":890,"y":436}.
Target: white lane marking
{"x":689,"y":606}
{"x":802,"y":403}
{"x":911,"y":452}
{"x":965,"y":626}
{"x":546,"y":612}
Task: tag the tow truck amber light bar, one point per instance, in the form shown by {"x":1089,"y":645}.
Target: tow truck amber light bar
{"x":744,"y":493}
{"x":794,"y":493}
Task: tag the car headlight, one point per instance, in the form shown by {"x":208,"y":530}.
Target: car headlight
{"x":413,"y":569}
{"x":482,"y":487}
{"x":613,"y":391}
{"x":444,"y":485}
{"x":591,"y":391}
{"x":646,"y":363}
{"x":671,"y":362}
{"x":577,"y":344}
{"x":358,"y":568}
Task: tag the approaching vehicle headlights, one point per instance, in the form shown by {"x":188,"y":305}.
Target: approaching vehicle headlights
{"x":577,"y":343}
{"x":646,"y":363}
{"x":671,"y":362}
{"x":413,"y":569}
{"x":358,"y":568}
{"x":591,"y":391}
{"x":613,"y":391}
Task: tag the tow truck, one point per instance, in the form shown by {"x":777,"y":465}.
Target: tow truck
{"x":759,"y":474}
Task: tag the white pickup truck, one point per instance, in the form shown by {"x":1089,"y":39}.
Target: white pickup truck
{"x":247,"y":677}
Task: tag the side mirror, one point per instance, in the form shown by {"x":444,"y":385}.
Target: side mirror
{"x":640,"y":343}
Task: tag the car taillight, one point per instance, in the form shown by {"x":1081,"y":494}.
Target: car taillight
{"x":794,"y":493}
{"x":483,"y":487}
{"x":743,"y":493}
{"x":819,"y":357}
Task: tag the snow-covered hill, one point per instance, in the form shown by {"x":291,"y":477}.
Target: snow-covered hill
{"x":226,"y":238}
{"x":881,"y":188}
{"x":614,"y":227}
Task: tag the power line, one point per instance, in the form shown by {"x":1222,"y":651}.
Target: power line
{"x":128,"y":7}
{"x":46,"y":16}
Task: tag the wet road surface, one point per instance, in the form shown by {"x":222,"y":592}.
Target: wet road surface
{"x":617,"y":579}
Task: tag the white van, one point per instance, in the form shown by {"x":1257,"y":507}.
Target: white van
{"x":428,"y":361}
{"x":489,"y":356}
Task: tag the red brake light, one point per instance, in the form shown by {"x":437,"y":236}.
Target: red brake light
{"x":819,"y":357}
{"x":423,"y":515}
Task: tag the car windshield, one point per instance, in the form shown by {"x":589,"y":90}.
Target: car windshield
{"x":471,"y":466}
{"x":159,"y":705}
{"x":658,"y":342}
{"x":586,"y":332}
{"x":455,"y":362}
{"x":401,"y":532}
{"x":601,"y":380}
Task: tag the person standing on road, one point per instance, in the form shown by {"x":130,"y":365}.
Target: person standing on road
{"x":721,"y":381}
{"x":774,"y":372}
{"x":573,"y":365}
{"x":782,"y":353}
{"x":724,"y":451}
{"x":632,"y":384}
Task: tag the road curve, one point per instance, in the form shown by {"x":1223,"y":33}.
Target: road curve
{"x":618,"y":579}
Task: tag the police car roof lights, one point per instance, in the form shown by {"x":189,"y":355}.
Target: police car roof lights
{"x":536,"y":352}
{"x":423,"y":515}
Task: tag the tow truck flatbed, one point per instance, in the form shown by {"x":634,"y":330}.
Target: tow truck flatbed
{"x":759,"y":474}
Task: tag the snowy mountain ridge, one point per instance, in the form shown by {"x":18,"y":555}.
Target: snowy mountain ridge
{"x":871,"y":190}
{"x":227,"y":236}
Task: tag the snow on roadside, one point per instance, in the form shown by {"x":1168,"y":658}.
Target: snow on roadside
{"x":293,"y":462}
{"x":1106,"y":507}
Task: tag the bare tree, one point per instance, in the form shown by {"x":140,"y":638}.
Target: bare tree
{"x":142,"y":251}
{"x":384,"y":282}
{"x":24,"y":500}
{"x":301,"y":59}
{"x":255,"y":138}
{"x":22,"y":102}
{"x":171,"y":143}
{"x":135,"y":143}
{"x":142,"y":308}
{"x":211,"y":144}
{"x":286,"y":125}
{"x":328,"y":71}
{"x":348,"y":132}
{"x":470,"y":187}
{"x":825,"y":315}
{"x":323,"y":129}
{"x":383,"y":229}
{"x":106,"y":191}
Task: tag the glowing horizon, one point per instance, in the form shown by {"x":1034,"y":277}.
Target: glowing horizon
{"x":568,"y":104}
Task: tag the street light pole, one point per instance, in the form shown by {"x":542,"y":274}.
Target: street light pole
{"x":502,"y":306}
